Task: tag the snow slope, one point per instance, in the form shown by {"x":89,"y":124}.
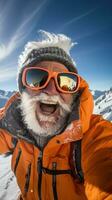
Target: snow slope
{"x":8,"y":186}
{"x":103,"y":105}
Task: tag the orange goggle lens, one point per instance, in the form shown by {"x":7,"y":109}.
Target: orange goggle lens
{"x":38,"y":78}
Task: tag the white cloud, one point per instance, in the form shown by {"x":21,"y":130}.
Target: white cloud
{"x":75,"y":19}
{"x":21,"y":32}
{"x":7,"y":72}
{"x":4,"y":12}
{"x":6,"y":50}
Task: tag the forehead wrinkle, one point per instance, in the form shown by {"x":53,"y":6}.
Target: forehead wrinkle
{"x":52,"y":66}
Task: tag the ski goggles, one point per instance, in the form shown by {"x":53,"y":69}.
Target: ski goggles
{"x":37,"y":78}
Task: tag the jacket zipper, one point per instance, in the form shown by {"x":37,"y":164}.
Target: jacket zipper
{"x":39,"y":169}
{"x":17,"y":160}
{"x":54,"y":164}
{"x":26,"y":187}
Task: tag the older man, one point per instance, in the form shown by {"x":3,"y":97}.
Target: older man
{"x":43,"y":124}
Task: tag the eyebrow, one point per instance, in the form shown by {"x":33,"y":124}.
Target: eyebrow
{"x":51,"y":66}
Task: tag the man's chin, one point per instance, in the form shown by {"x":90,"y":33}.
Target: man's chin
{"x":46,"y":121}
{"x":46,"y":128}
{"x":46,"y":125}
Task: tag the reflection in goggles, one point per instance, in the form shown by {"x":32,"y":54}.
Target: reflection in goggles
{"x":67,"y":83}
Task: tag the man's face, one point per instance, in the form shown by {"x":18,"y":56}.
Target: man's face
{"x":45,"y":110}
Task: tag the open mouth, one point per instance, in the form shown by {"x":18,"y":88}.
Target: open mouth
{"x":48,"y":108}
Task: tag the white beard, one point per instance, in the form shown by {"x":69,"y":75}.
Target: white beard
{"x":28,"y":108}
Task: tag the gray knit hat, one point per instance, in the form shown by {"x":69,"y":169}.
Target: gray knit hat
{"x":46,"y":53}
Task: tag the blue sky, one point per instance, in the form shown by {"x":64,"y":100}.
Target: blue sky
{"x":87,"y":22}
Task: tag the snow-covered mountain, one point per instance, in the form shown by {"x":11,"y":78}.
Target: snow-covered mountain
{"x":9,"y":189}
{"x":4,"y":96}
{"x":97,"y":93}
{"x":103,"y":105}
{"x":8,"y":186}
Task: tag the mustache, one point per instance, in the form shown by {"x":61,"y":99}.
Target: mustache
{"x":54,"y":99}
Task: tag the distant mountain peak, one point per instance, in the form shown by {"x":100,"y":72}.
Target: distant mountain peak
{"x":103,"y":105}
{"x":4,"y":96}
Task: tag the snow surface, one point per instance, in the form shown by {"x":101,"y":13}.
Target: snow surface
{"x":103,"y":105}
{"x":8,"y":186}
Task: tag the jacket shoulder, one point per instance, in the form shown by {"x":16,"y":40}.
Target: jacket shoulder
{"x":99,"y":133}
{"x":98,"y":120}
{"x":97,"y":157}
{"x":6,"y":139}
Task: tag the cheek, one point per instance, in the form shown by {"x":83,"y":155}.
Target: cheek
{"x":32,"y":93}
{"x":68,"y":98}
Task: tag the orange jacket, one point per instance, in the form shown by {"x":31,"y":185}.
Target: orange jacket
{"x":96,"y":135}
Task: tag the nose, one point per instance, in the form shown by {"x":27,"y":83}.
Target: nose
{"x":51,"y":89}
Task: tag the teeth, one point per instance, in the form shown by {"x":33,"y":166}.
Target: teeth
{"x":48,"y":102}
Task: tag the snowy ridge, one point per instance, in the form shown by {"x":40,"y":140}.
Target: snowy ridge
{"x":8,"y":186}
{"x":97,"y":93}
{"x":103,"y":105}
{"x":4,"y":96}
